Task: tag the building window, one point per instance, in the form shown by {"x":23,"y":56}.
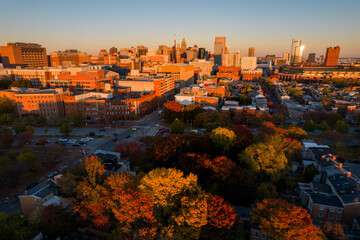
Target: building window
{"x":322,"y":208}
{"x":332,"y":209}
{"x":263,"y":236}
{"x":339,"y":210}
{"x":320,"y":214}
{"x":338,"y":217}
{"x":331,"y":216}
{"x":256,"y":234}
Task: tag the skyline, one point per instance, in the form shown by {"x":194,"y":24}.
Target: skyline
{"x":269,"y":27}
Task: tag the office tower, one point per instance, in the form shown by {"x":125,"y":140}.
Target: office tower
{"x":296,"y":51}
{"x":311,"y":57}
{"x":178,"y":53}
{"x":248,"y":63}
{"x":251,"y":52}
{"x":231,"y":59}
{"x":113,"y":50}
{"x":202,"y":54}
{"x":321,"y":59}
{"x":23,"y":54}
{"x":219,"y":49}
{"x":286,"y":56}
{"x":332,"y":56}
{"x":183,"y":46}
{"x":141,"y":50}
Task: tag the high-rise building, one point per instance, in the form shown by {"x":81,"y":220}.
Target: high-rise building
{"x":311,"y":57}
{"x":183,"y":46}
{"x":219,"y":49}
{"x":296,"y":51}
{"x":141,"y":50}
{"x":113,"y":50}
{"x":69,"y":57}
{"x":321,"y":59}
{"x":202,"y":53}
{"x":231,"y":59}
{"x":286,"y":56}
{"x":251,"y":52}
{"x":23,"y":54}
{"x":332,"y":56}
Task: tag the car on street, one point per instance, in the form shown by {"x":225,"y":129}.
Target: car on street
{"x":157,"y":125}
{"x":115,"y":134}
{"x":163,"y":130}
{"x":128,"y":136}
{"x":63,"y":140}
{"x":102,"y":130}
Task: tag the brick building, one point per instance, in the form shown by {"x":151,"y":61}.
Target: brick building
{"x":70,"y":57}
{"x":332,"y":56}
{"x":229,"y":72}
{"x":183,"y":73}
{"x":43,"y":102}
{"x":249,"y":75}
{"x":23,"y":54}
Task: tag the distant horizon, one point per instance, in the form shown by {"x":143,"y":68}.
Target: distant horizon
{"x":89,"y":26}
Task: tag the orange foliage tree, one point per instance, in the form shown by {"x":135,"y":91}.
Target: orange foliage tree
{"x":333,"y":230}
{"x":172,"y":110}
{"x":167,"y":148}
{"x":282,"y":220}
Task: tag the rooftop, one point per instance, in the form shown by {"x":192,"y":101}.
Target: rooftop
{"x":327,"y":200}
{"x":346,"y":188}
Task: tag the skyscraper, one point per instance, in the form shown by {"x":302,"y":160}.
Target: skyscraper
{"x":231,"y":59}
{"x":296,"y":51}
{"x":202,"y":53}
{"x":219,"y":49}
{"x":251,"y":52}
{"x":286,"y":56}
{"x":311,"y":57}
{"x":183,"y":46}
{"x":332,"y":56}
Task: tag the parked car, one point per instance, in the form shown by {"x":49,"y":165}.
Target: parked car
{"x":163,"y":130}
{"x":63,"y":140}
{"x":115,"y":134}
{"x":102,"y":130}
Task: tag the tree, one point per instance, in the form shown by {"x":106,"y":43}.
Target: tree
{"x":41,"y":120}
{"x":42,"y":142}
{"x":128,"y":150}
{"x":166,"y":149}
{"x":289,"y":146}
{"x":201,"y":120}
{"x":173,"y":182}
{"x":267,"y":190}
{"x":55,"y":222}
{"x":325,"y":91}
{"x":6,"y":106}
{"x":310,"y":126}
{"x":191,"y":111}
{"x":65,"y":128}
{"x":18,"y":127}
{"x":177,"y":127}
{"x":6,"y":140}
{"x":310,"y":172}
{"x":172,"y":110}
{"x":5,"y":83}
{"x":46,"y":130}
{"x":244,"y":137}
{"x":333,"y":230}
{"x":30,"y":129}
{"x":282,"y":220}
{"x":323,"y":126}
{"x":24,"y":138}
{"x":21,"y":83}
{"x":341,"y":127}
{"x":223,"y":138}
{"x":296,"y":133}
{"x":263,"y":158}
{"x":77,"y":119}
{"x":13,"y":226}
{"x":7,"y":118}
{"x":269,"y":128}
{"x":220,"y":213}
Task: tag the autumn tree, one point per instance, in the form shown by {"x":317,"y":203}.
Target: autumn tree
{"x":223,"y":138}
{"x":289,"y":146}
{"x":128,"y":149}
{"x":191,"y":111}
{"x":244,"y":137}
{"x":201,"y":120}
{"x":221,"y":219}
{"x":55,"y":222}
{"x":296,"y":133}
{"x":21,"y":83}
{"x":172,"y":110}
{"x":6,"y":139}
{"x":263,"y":158}
{"x":269,"y":128}
{"x":282,"y":220}
{"x":267,"y":190}
{"x":333,"y":230}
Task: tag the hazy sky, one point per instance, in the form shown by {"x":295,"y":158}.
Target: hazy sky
{"x":269,"y":26}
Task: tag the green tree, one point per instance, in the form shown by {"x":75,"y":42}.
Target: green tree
{"x":41,"y":120}
{"x":13,"y":226}
{"x":46,"y":130}
{"x":323,"y":126}
{"x":177,"y":127}
{"x":18,"y":127}
{"x":66,"y":128}
{"x":5,"y":83}
{"x":341,"y":127}
{"x":55,"y":222}
{"x":201,"y":120}
{"x":7,"y":118}
{"x":6,"y":106}
{"x":263,"y":158}
{"x":21,"y":83}
{"x":223,"y":138}
{"x":267,"y":190}
{"x":30,"y":129}
{"x":77,"y":119}
{"x":310,"y":126}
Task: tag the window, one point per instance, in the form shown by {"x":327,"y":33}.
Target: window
{"x":331,"y":216}
{"x":320,"y":214}
{"x":263,"y":237}
{"x":339,"y":210}
{"x":332,"y":209}
{"x":256,"y":234}
{"x":322,"y":208}
{"x":338,"y":217}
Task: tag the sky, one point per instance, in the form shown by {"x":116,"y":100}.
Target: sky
{"x":269,"y":26}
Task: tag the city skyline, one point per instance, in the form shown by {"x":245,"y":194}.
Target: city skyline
{"x":269,"y":27}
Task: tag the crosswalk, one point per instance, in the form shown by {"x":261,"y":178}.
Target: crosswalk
{"x":152,"y":131}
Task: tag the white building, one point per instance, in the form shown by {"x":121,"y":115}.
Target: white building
{"x":185,"y":99}
{"x":248,"y":63}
